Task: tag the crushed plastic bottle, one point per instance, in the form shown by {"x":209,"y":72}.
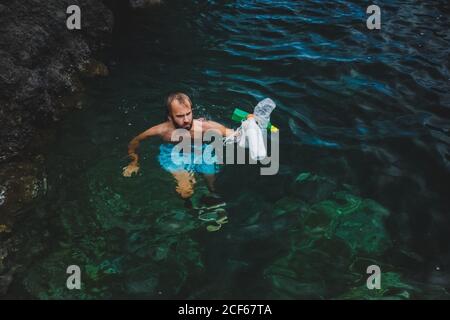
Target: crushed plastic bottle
{"x":252,"y":138}
{"x":262,"y":112}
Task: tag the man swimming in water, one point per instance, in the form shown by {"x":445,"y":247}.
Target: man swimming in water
{"x":179,"y":116}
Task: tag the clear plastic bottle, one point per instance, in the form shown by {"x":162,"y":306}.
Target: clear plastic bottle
{"x":252,"y":138}
{"x":262,"y":112}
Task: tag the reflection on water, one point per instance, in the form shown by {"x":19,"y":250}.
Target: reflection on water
{"x":364,"y":159}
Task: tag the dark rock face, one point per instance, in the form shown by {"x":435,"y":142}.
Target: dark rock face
{"x":41,"y":65}
{"x":21,"y":184}
{"x":40,"y":62}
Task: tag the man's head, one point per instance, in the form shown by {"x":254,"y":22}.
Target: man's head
{"x":179,"y":110}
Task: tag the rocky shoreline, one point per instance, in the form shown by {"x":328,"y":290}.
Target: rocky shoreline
{"x":42,"y":67}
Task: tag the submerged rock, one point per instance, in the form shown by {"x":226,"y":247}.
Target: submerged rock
{"x":335,"y":228}
{"x":143,"y":286}
{"x":287,"y":206}
{"x":95,"y":69}
{"x":359,"y":222}
{"x":5,"y":280}
{"x":395,"y":287}
{"x":40,"y":66}
{"x":21,"y":183}
{"x":313,"y":269}
{"x":311,"y":188}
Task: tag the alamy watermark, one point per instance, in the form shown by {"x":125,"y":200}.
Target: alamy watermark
{"x":73,"y":22}
{"x":209,"y":148}
{"x":374,"y":280}
{"x":74,"y":280}
{"x":374,"y":20}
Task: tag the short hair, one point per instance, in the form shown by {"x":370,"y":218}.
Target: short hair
{"x":180,"y":97}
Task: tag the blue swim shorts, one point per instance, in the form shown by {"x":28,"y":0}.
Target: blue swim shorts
{"x":201,"y":159}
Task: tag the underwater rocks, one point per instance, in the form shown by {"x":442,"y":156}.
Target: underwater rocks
{"x":127,"y":246}
{"x":5,"y":280}
{"x":334,"y":228}
{"x":396,"y":287}
{"x":8,"y":246}
{"x":20,"y":184}
{"x":333,"y":210}
{"x":310,"y":187}
{"x":359,"y":222}
{"x":95,"y":69}
{"x":41,"y":66}
{"x":338,"y":235}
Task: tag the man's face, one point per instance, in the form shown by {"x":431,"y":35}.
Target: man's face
{"x":181,"y":115}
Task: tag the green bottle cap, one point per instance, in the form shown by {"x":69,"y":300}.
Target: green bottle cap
{"x":240,"y":115}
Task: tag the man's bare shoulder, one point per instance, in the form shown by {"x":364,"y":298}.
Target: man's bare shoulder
{"x":163,"y":127}
{"x":208,"y":124}
{"x":216,"y":126}
{"x":157,"y":130}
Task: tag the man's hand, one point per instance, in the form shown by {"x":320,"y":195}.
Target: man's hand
{"x":133,"y":167}
{"x":130,"y":169}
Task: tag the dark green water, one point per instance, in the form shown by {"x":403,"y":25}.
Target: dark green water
{"x":364,"y":173}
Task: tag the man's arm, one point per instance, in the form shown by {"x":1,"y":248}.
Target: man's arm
{"x":133,"y":167}
{"x":220,"y":128}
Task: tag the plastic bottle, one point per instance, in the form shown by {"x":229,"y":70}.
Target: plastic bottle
{"x":252,"y":137}
{"x":240,"y":115}
{"x":262,"y":112}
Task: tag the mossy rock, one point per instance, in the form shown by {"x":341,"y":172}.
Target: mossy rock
{"x":312,"y":188}
{"x":320,"y":265}
{"x":287,"y":206}
{"x":393,"y":287}
{"x":359,"y":222}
